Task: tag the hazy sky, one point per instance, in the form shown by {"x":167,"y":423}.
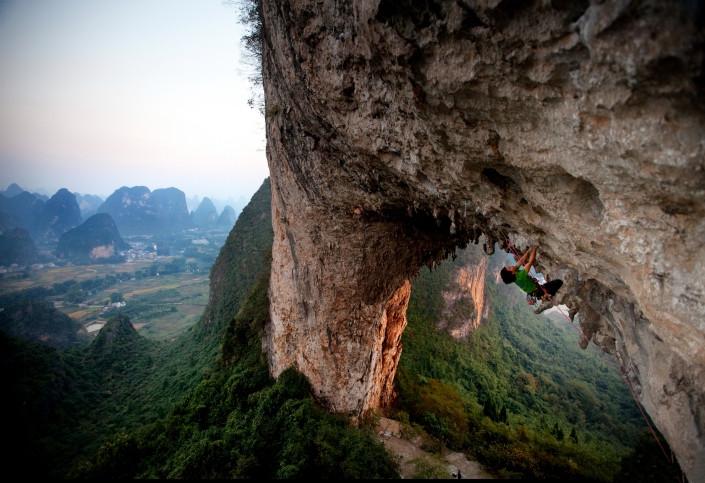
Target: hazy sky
{"x":97,"y":94}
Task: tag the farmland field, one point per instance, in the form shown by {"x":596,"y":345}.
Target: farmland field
{"x":159,"y":306}
{"x":47,"y":276}
{"x":162,"y":286}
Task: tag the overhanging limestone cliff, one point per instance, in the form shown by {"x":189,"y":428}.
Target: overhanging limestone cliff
{"x":398,"y":130}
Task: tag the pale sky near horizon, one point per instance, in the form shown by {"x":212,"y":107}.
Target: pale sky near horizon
{"x":98,"y":94}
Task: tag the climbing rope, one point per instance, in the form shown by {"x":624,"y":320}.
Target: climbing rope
{"x":510,"y":247}
{"x":563,"y":314}
{"x":643,"y":415}
{"x":508,"y":244}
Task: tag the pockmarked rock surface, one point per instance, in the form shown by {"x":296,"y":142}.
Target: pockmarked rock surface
{"x":399,"y":130}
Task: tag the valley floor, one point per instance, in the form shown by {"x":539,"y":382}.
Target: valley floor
{"x":159,"y":306}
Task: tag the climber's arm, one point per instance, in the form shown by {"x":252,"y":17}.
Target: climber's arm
{"x":532,"y":258}
{"x":522,"y":259}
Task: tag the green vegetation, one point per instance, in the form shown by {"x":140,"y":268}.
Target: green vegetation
{"x":163,"y":298}
{"x":33,"y":406}
{"x":518,"y":394}
{"x":38,"y":320}
{"x":178,"y":409}
{"x":646,"y":464}
{"x":160,"y":308}
{"x":429,"y":470}
{"x":136,"y":382}
{"x":243,"y":257}
{"x":43,"y":281}
{"x":73,"y":291}
{"x":252,"y":40}
{"x":239,"y":423}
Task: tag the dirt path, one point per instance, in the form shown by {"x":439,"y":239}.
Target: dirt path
{"x":469,"y":470}
{"x":416,"y":462}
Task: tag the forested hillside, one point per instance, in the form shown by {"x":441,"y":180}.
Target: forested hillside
{"x":87,"y":395}
{"x":36,"y":319}
{"x":240,"y":423}
{"x":519,"y":394}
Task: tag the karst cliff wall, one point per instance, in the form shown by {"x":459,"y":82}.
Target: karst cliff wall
{"x":465,"y":304}
{"x":398,"y":130}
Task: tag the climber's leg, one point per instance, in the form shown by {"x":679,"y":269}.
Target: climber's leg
{"x":552,"y":286}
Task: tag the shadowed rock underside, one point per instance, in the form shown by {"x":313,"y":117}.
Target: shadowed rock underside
{"x":400,"y":130}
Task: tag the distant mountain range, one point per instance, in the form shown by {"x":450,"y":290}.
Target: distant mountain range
{"x":97,"y":240}
{"x":45,"y":221}
{"x":205,"y":215}
{"x":133,"y":211}
{"x":236,"y":204}
{"x":227,"y":218}
{"x":139,"y":211}
{"x":23,"y":210}
{"x":59,"y":214}
{"x":89,"y":204}
{"x":13,"y":190}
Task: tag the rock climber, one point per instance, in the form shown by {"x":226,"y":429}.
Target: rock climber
{"x":519,"y":274}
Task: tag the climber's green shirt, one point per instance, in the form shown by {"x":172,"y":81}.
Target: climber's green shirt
{"x":524,"y":281}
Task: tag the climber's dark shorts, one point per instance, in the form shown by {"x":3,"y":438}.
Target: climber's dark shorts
{"x":551,"y":287}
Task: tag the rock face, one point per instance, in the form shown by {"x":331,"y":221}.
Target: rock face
{"x":465,"y":302}
{"x":399,"y":130}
